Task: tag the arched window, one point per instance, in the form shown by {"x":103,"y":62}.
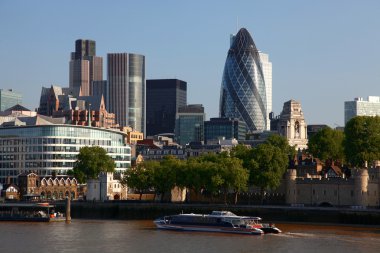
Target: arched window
{"x":297,"y":130}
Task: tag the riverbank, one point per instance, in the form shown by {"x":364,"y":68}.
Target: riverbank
{"x":143,"y":211}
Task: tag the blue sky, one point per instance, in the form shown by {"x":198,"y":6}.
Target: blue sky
{"x":323,"y":52}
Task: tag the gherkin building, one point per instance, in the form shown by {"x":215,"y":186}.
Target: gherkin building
{"x":243,"y":93}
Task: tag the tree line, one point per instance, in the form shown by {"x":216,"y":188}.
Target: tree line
{"x":357,"y":144}
{"x":262,"y":166}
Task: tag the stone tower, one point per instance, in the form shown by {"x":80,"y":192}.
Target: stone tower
{"x":292,"y":125}
{"x":361,"y":178}
{"x":291,"y":191}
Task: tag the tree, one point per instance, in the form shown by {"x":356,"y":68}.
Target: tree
{"x":90,"y":162}
{"x":139,"y":178}
{"x":362,"y":140}
{"x":235,"y":177}
{"x":282,"y":143}
{"x":267,"y":167}
{"x":164,"y":175}
{"x":327,"y":144}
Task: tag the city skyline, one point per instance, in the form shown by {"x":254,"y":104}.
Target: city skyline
{"x":322,"y":53}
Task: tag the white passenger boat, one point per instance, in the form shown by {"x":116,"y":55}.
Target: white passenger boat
{"x":217,"y":221}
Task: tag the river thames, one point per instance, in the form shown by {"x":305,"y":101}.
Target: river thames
{"x":141,"y":236}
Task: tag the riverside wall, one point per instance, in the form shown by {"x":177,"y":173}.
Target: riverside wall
{"x":150,"y":211}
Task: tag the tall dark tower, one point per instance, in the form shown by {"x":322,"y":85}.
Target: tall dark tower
{"x":163,"y":98}
{"x":85,"y":66}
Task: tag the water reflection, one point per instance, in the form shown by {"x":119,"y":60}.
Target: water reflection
{"x":141,"y":236}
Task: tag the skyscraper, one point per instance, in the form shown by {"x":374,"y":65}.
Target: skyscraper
{"x":126,"y":89}
{"x":243,"y":92}
{"x":190,"y":124}
{"x":361,"y":107}
{"x":163,"y":98}
{"x":85,"y":66}
{"x":9,"y":98}
{"x":267,"y":71}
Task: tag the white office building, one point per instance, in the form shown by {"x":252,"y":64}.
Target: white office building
{"x":53,"y":149}
{"x":361,"y":107}
{"x":266,"y":66}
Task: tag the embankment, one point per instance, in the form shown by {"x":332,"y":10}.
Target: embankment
{"x":131,"y":211}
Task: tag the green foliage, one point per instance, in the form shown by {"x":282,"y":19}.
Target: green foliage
{"x":327,"y":144}
{"x":164,"y":174}
{"x":268,"y":165}
{"x":282,"y":143}
{"x":362,"y":140}
{"x":139,"y":178}
{"x":90,"y":162}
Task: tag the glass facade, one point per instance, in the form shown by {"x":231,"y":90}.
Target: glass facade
{"x":126,"y":89}
{"x":8,"y":98}
{"x":224,"y":127}
{"x":190,"y":128}
{"x":136,"y":105}
{"x":243,"y":91}
{"x":163,"y":98}
{"x":190,"y":124}
{"x":53,"y":148}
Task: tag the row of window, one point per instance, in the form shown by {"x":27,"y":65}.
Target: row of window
{"x":35,"y":149}
{"x":66,"y":131}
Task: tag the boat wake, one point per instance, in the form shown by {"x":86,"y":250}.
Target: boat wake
{"x":300,"y":235}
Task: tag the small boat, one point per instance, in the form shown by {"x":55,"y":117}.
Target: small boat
{"x":39,"y":212}
{"x":217,"y":221}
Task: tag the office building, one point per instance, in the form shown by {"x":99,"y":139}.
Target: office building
{"x":190,"y":124}
{"x":163,"y":98}
{"x":217,"y":128}
{"x":52,"y":149}
{"x":266,"y":66}
{"x":85,"y":66}
{"x":9,"y":98}
{"x":243,"y":91}
{"x":361,"y":107}
{"x":126,"y":89}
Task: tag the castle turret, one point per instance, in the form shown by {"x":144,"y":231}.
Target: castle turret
{"x":291,"y":188}
{"x":361,"y":178}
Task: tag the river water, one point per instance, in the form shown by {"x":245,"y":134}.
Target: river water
{"x":141,"y":236}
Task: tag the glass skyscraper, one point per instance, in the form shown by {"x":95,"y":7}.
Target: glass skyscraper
{"x":9,"y":98}
{"x":243,"y":92}
{"x":163,"y":98}
{"x":126,"y":89}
